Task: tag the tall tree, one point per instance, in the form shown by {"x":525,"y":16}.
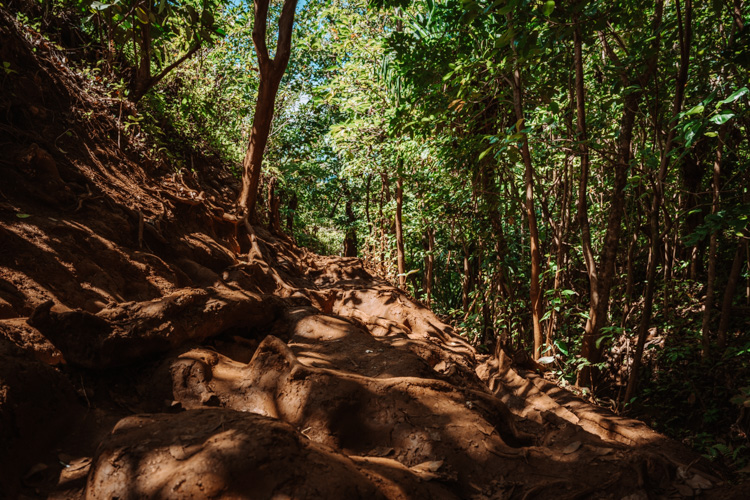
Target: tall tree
{"x":592,"y":347}
{"x":684,"y":39}
{"x":400,"y":256}
{"x":271,"y":71}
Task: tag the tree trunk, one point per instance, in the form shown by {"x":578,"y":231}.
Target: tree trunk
{"x":535,"y":294}
{"x":399,"y":231}
{"x":381,"y":217}
{"x":142,"y":80}
{"x":143,"y":72}
{"x":291,"y":210}
{"x":429,"y":265}
{"x":274,"y":203}
{"x":271,"y":71}
{"x":726,"y":306}
{"x":606,"y":272}
{"x":350,"y":241}
{"x":658,"y":198}
{"x":369,"y":250}
{"x":583,"y":151}
{"x":599,"y":309}
{"x":466,"y":283}
{"x":713,"y":247}
{"x":629,"y":279}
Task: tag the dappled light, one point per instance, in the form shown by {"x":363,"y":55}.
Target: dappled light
{"x":338,"y":249}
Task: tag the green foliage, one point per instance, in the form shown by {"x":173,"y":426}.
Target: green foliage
{"x":422,"y":91}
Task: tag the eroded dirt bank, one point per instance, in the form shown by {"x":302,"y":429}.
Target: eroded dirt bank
{"x":151,"y":348}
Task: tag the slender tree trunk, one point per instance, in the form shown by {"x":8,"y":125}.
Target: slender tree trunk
{"x":429,"y":265}
{"x":629,"y":281}
{"x":658,"y":197}
{"x":606,"y":273}
{"x":271,"y":71}
{"x":350,"y":241}
{"x":535,"y":294}
{"x":713,"y":248}
{"x":466,"y":283}
{"x":369,"y":250}
{"x":599,"y":308}
{"x":583,"y":151}
{"x":381,"y":202}
{"x":143,"y":73}
{"x":274,"y":203}
{"x":708,"y":301}
{"x":142,"y":80}
{"x":490,"y":192}
{"x":292,"y":209}
{"x":726,"y":306}
{"x":399,"y":232}
{"x":367,"y":201}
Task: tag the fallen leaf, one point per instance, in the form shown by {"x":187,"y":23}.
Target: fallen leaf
{"x":428,"y":470}
{"x":572,"y":447}
{"x":431,"y":466}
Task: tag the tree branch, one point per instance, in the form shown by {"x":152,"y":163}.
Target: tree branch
{"x":283,"y":45}
{"x":259,"y":32}
{"x":172,"y":66}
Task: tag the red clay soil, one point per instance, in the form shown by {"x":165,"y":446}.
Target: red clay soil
{"x":151,"y":348}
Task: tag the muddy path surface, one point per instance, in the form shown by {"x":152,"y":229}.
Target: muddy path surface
{"x":151,"y":347}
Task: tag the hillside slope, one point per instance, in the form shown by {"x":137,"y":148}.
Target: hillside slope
{"x":152,"y":348}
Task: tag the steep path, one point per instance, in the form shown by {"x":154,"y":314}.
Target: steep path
{"x":151,"y":348}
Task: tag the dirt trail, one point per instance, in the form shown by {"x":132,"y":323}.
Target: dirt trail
{"x":150,"y":348}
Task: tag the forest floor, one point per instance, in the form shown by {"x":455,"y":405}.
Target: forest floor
{"x":150,"y":347}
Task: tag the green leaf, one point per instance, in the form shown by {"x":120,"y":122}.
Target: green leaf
{"x":100,"y":6}
{"x":697,"y":109}
{"x":549,"y":6}
{"x":486,"y":152}
{"x":735,"y":96}
{"x":141,"y":15}
{"x":562,"y":346}
{"x":722,"y":118}
{"x":23,"y":216}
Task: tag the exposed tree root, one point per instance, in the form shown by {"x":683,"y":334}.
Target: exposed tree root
{"x":128,"y":332}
